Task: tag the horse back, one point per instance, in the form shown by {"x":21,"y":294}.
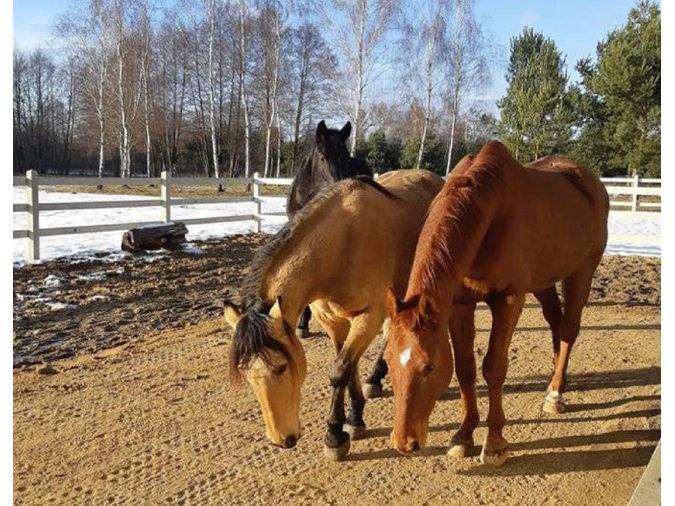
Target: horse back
{"x":583,"y":179}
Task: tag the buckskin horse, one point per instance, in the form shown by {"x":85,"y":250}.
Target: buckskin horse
{"x":497,"y":231}
{"x":326,"y":163}
{"x":340,"y":254}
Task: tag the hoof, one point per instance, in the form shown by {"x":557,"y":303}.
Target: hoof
{"x":460,"y":449}
{"x":355,"y":431}
{"x":303,"y":333}
{"x":494,"y":456}
{"x":336,"y":454}
{"x":371,"y":391}
{"x":554,"y":403}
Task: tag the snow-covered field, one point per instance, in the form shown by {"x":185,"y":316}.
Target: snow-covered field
{"x":82,"y":245}
{"x":629,"y":235}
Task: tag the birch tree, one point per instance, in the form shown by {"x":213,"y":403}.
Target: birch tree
{"x":243,"y":55}
{"x":468,"y":60}
{"x":424,"y":41}
{"x":360,"y":29}
{"x":88,"y":39}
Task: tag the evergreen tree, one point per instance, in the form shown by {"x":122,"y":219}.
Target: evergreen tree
{"x":536,"y":117}
{"x":619,"y":100}
{"x":377,"y":152}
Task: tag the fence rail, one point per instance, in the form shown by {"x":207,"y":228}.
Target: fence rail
{"x":32,"y":181}
{"x":630,"y":188}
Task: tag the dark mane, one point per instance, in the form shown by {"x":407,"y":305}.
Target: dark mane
{"x":252,"y":340}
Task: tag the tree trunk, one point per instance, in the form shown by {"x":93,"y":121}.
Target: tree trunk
{"x":214,"y":144}
{"x":359,"y":84}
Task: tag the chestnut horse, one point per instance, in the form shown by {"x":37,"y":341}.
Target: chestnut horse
{"x":340,"y":254}
{"x":497,"y":231}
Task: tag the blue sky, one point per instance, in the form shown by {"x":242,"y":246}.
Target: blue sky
{"x":575,"y":25}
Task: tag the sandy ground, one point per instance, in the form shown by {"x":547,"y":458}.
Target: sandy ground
{"x":154,"y":420}
{"x":157,"y":421}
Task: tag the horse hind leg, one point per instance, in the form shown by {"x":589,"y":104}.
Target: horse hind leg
{"x":576,"y":289}
{"x":303,"y":325}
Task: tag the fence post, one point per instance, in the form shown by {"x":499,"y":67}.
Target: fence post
{"x":258,"y":203}
{"x":636,"y":184}
{"x":33,"y":215}
{"x":165,"y":184}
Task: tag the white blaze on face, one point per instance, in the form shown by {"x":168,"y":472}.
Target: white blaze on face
{"x":405,"y":357}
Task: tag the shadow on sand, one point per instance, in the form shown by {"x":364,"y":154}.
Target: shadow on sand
{"x":559,"y":461}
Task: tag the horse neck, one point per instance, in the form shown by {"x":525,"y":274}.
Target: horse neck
{"x":449,"y":242}
{"x":290,"y":272}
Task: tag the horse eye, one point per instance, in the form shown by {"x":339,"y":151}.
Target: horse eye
{"x":428,"y":369}
{"x":279,"y":370}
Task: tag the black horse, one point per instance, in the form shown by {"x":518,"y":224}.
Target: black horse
{"x":328,"y":162}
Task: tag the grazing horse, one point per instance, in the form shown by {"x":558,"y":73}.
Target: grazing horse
{"x":340,"y":254}
{"x":497,"y":231}
{"x":328,"y":162}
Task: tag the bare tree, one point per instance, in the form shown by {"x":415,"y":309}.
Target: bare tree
{"x":211,"y":17}
{"x":360,"y":39}
{"x":312,"y":67}
{"x":270,"y":22}
{"x":243,"y":55}
{"x":88,"y":39}
{"x":423,"y":40}
{"x":467,"y":64}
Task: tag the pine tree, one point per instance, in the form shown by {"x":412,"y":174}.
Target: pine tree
{"x":536,"y":117}
{"x":619,"y":100}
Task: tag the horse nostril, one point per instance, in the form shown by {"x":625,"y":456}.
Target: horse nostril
{"x":414,"y":446}
{"x":290,"y":441}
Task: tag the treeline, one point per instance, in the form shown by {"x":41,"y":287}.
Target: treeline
{"x":228,"y":88}
{"x":611,"y":120}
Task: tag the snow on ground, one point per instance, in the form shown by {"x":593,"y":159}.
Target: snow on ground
{"x":83,"y":245}
{"x":629,"y":234}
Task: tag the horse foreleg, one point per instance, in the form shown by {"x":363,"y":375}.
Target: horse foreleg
{"x":462,"y":333}
{"x":505,"y":313}
{"x":363,"y":329}
{"x":354,"y":423}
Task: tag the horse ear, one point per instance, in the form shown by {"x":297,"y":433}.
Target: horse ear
{"x":427,"y":307}
{"x":391,"y":303}
{"x":346,"y":130}
{"x":321,"y":131}
{"x":231,"y":313}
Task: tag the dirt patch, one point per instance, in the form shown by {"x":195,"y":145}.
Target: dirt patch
{"x":155,"y":421}
{"x":63,"y":308}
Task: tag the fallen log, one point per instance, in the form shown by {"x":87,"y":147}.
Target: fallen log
{"x":152,"y":237}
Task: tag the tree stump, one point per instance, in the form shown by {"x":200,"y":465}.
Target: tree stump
{"x":152,"y":237}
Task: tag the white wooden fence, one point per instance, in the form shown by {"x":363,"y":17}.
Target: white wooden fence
{"x":632,"y":188}
{"x":33,"y":206}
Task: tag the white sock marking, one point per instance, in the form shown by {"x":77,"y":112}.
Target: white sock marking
{"x":405,"y":356}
